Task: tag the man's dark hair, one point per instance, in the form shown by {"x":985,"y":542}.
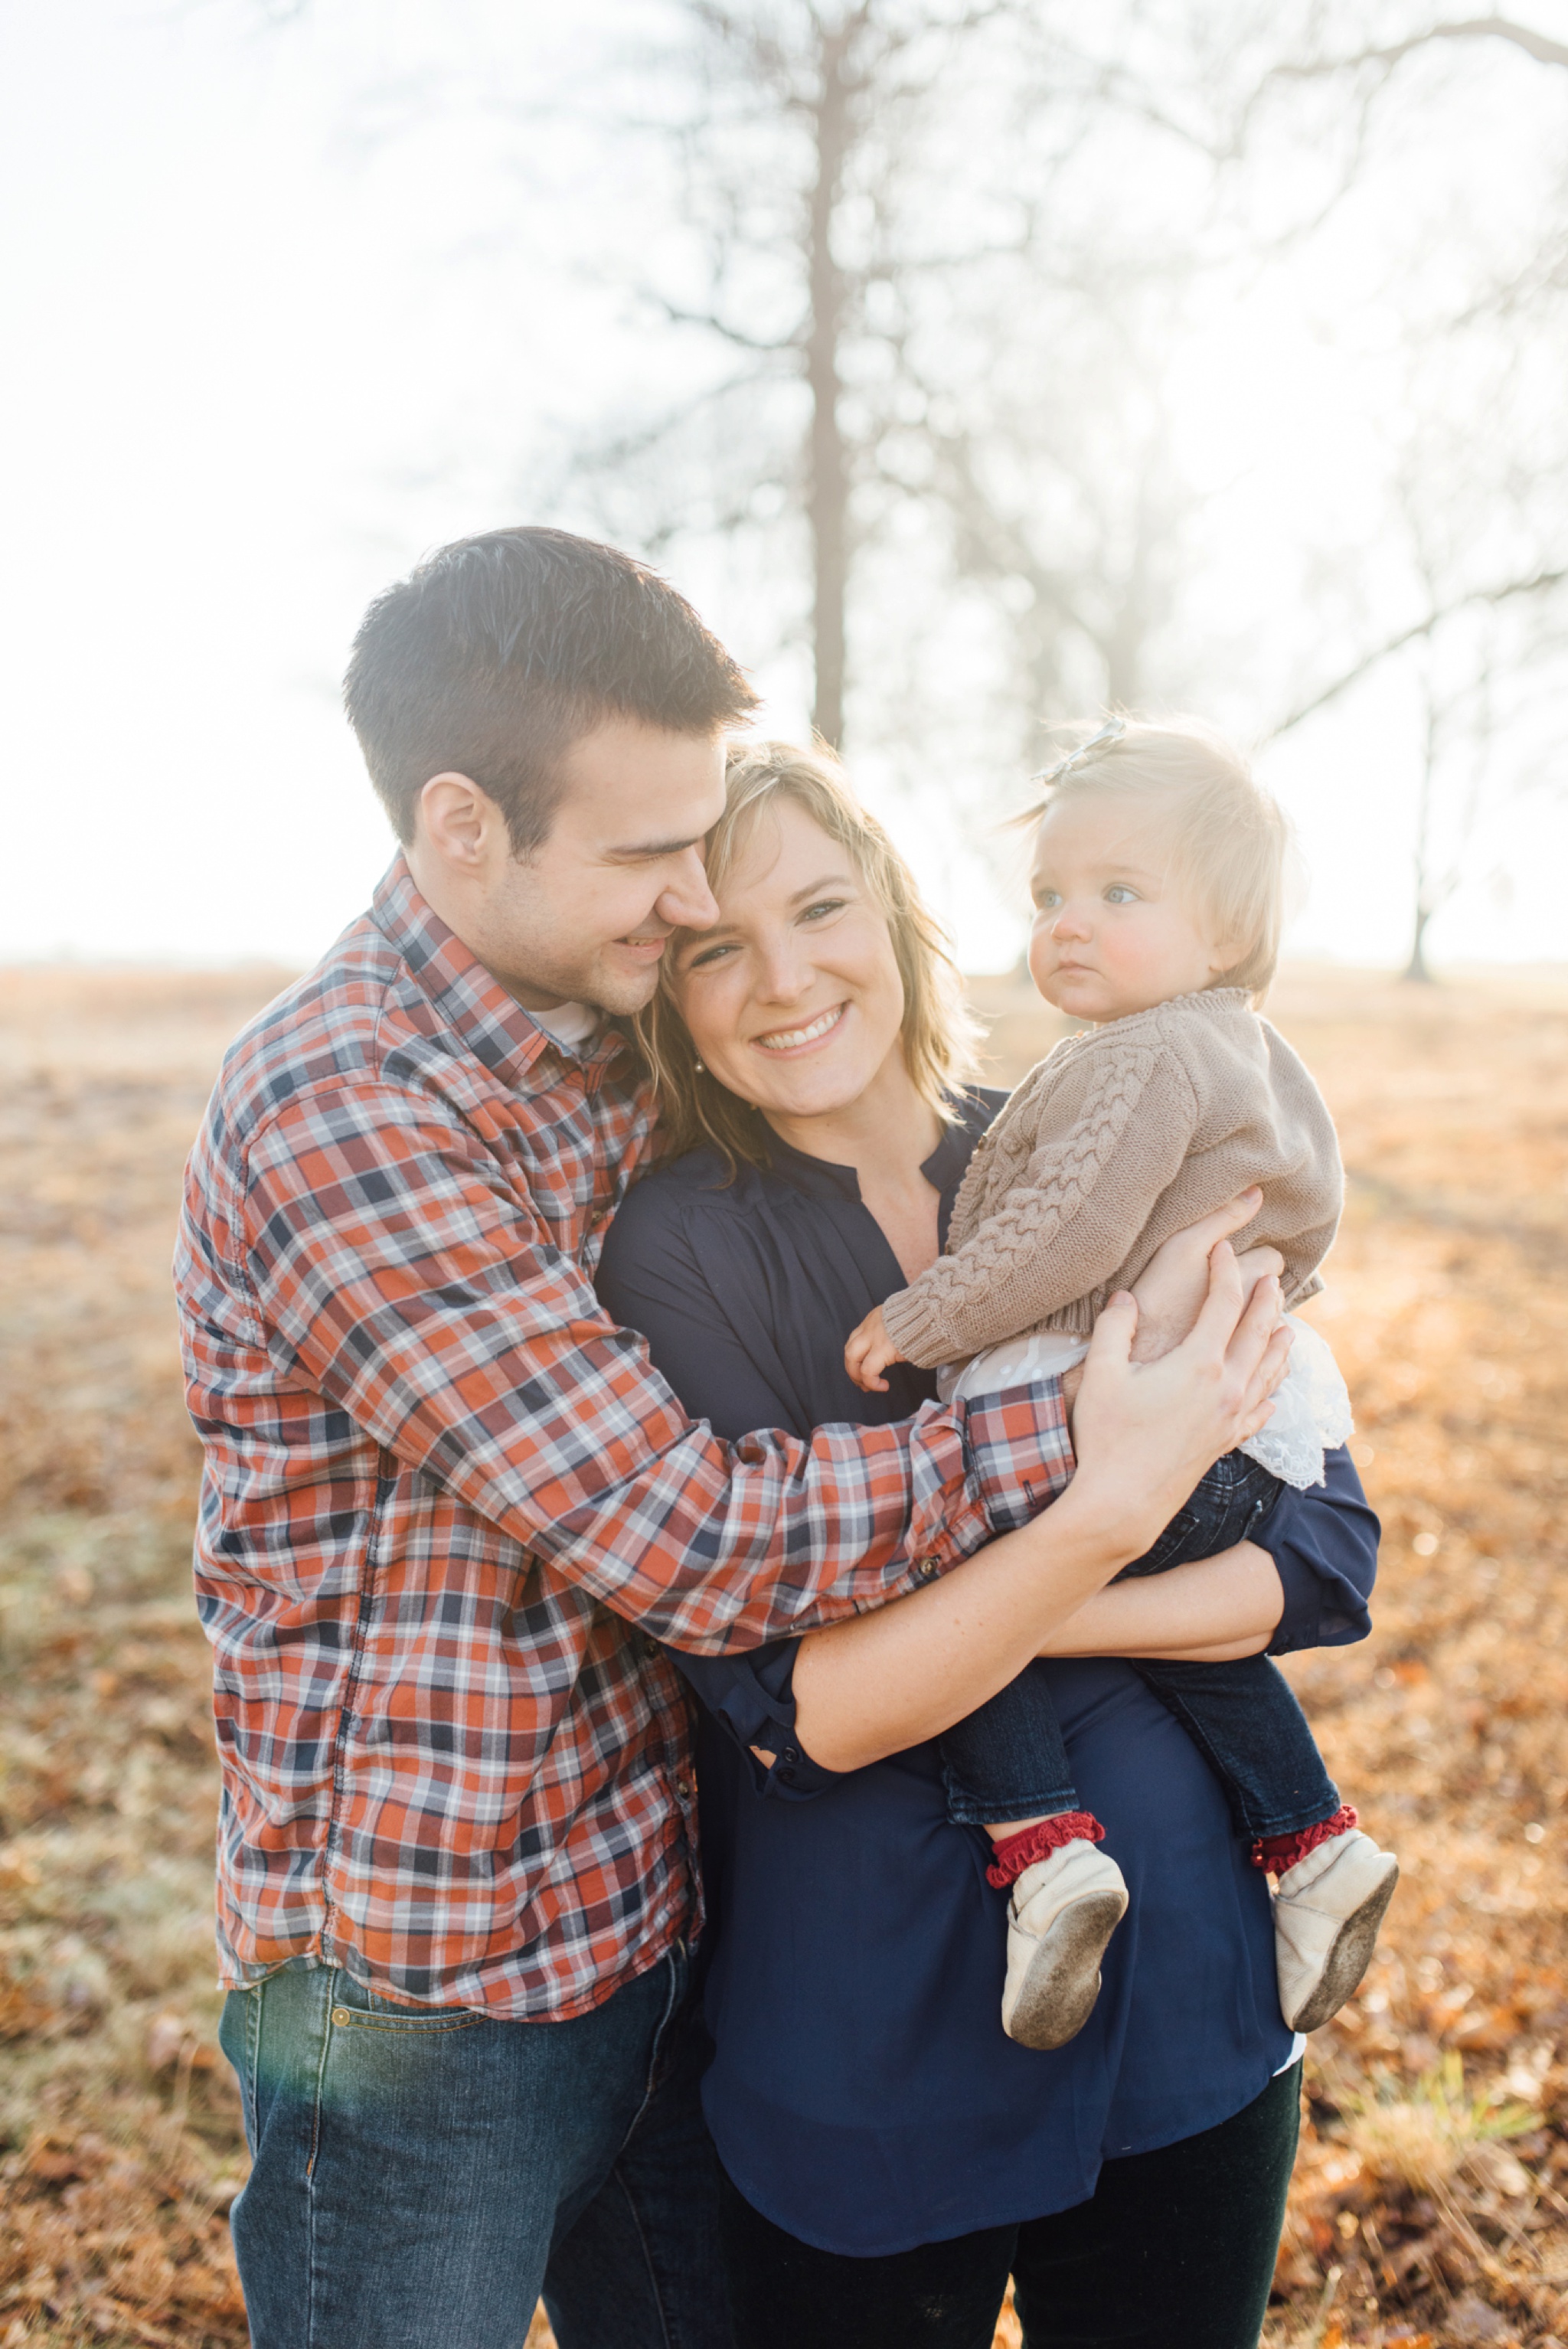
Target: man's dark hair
{"x":493,"y":657}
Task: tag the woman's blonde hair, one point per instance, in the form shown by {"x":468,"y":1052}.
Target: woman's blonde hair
{"x":1228,"y":838}
{"x":938,"y":1033}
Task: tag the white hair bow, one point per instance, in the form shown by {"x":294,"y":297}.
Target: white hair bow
{"x":1109,"y":732}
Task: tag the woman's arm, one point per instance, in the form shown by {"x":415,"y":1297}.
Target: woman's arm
{"x":880,"y":1682}
{"x":1209,"y":1612}
{"x":1305,"y":1583}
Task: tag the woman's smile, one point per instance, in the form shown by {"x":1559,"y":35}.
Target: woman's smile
{"x":802,"y":1040}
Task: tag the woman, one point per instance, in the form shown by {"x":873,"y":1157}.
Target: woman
{"x":891,"y":2157}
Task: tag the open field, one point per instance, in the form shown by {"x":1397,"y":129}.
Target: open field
{"x":1431,"y":2203}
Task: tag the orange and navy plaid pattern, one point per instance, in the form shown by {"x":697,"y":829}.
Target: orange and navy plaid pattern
{"x":448,"y":1507}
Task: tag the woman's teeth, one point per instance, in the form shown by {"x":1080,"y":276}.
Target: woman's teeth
{"x":785,"y":1040}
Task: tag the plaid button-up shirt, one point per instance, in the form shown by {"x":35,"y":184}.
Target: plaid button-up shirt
{"x":448,"y":1507}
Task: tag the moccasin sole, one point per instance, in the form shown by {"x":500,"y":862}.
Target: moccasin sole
{"x":1061,"y":1983}
{"x":1349,"y":1956}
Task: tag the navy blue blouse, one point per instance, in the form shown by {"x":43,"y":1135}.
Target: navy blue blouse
{"x":863,"y":2095}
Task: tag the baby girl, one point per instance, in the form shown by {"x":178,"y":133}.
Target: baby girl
{"x":1158,"y":883}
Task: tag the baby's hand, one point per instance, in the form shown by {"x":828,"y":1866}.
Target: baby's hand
{"x":869,"y":1351}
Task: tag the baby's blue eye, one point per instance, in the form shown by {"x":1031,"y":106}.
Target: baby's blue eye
{"x":1118,"y":894}
{"x":1046,"y":900}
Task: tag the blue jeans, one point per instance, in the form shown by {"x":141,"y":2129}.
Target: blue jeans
{"x":1008,"y":1759}
{"x":422,"y":2175}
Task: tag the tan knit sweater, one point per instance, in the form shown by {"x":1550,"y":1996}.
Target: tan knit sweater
{"x":1121,"y":1136}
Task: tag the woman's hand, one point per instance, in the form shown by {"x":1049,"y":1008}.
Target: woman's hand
{"x":1146,"y":1434}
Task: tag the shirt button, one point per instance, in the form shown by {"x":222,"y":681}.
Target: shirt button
{"x":651,"y":1649}
{"x":683,"y":1788}
{"x":927,"y":1570}
{"x":791,"y":1753}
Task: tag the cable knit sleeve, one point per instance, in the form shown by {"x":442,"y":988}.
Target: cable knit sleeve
{"x":1093,"y":1151}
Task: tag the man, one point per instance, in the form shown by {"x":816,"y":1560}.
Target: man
{"x":449,"y":1510}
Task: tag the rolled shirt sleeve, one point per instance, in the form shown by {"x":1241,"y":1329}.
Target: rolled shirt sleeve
{"x":751,"y":1700}
{"x":1323,"y":1544}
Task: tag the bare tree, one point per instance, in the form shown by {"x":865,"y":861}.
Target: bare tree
{"x":1478,"y":463}
{"x":870,"y":186}
{"x":1069,"y":501}
{"x":794,"y":153}
{"x":1517,"y":300}
{"x":1460,"y":518}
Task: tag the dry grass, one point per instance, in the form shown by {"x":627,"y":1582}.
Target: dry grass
{"x":1431,"y":2201}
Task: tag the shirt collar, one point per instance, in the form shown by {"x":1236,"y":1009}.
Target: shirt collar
{"x":944,"y":1170}
{"x":466,"y":1001}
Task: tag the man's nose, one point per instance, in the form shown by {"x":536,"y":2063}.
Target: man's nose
{"x":687,"y":903}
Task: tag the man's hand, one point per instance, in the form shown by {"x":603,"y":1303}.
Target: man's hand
{"x":1144,"y":1435}
{"x":1172,"y":1289}
{"x":869,"y":1352}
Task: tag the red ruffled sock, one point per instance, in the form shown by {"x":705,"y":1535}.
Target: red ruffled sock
{"x":1015,"y":1852}
{"x":1277,"y":1853}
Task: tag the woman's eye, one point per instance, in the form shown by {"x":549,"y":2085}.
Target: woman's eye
{"x":708,"y":956}
{"x":822,"y":906}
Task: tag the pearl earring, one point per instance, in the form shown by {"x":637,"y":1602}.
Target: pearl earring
{"x":699,"y":1066}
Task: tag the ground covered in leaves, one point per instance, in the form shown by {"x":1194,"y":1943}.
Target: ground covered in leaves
{"x":1431,"y":2199}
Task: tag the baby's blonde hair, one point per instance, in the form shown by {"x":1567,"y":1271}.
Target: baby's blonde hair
{"x":1229,"y":838}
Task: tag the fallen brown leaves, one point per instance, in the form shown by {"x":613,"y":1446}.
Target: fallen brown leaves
{"x":1431,"y":2199}
{"x":120,"y":2147}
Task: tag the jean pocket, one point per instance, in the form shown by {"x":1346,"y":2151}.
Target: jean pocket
{"x":353,"y":2008}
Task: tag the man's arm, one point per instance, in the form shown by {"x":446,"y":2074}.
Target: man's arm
{"x":397,"y":1274}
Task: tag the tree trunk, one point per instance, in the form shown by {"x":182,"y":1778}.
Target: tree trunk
{"x":1415,"y":969}
{"x":828,"y":493}
{"x":1427,"y":898}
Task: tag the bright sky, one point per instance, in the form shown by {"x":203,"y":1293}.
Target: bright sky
{"x":261,"y":358}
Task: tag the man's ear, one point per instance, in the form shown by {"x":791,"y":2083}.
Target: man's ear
{"x":461,"y":823}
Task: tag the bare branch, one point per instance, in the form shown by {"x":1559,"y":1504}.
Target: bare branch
{"x":714,"y":325}
{"x":1540,"y":583}
{"x":1536,"y":44}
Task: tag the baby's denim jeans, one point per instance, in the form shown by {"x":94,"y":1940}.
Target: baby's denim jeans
{"x":1008,"y":1761}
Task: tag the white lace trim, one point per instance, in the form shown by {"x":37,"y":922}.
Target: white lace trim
{"x":1311,"y":1412}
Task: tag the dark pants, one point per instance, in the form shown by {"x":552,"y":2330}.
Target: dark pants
{"x":422,"y":2175}
{"x":1008,"y":1759}
{"x":1174,"y":2251}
